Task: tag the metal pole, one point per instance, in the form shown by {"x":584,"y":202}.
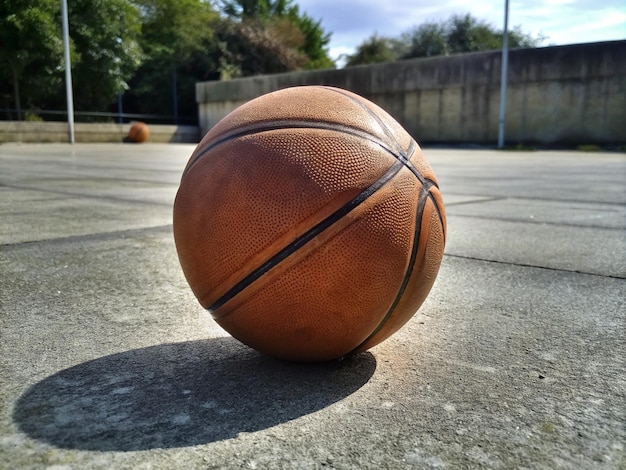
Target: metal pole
{"x":505,"y":63}
{"x":120,"y":109}
{"x":68,"y":70}
{"x":175,"y":93}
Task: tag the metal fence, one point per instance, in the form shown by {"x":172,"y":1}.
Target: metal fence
{"x":9,"y":114}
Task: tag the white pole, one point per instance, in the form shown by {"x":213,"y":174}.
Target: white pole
{"x":505,"y":61}
{"x":68,"y":70}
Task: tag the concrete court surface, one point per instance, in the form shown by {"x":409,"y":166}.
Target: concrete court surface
{"x":516,"y":359}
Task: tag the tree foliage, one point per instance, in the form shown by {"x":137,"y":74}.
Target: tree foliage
{"x":254,"y":48}
{"x":104,"y":45}
{"x":278,"y":35}
{"x":255,"y":9}
{"x":316,"y":40}
{"x":458,"y":34}
{"x":373,"y":50}
{"x":105,"y":35}
{"x":426,"y":40}
{"x":177,"y":37}
{"x":186,"y":41}
{"x":153,"y":51}
{"x":174,"y":30}
{"x":31,"y":53}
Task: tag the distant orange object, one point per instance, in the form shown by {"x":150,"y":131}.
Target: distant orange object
{"x":139,"y":132}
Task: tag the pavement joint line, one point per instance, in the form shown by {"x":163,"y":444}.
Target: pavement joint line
{"x":168,"y":228}
{"x":77,"y":177}
{"x":545,"y":199}
{"x":101,"y":165}
{"x":127,"y":233}
{"x":525,"y":265}
{"x":87,"y":196}
{"x":534,"y":222}
{"x":473,"y":201}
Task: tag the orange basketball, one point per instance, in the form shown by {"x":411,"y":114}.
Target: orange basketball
{"x":138,"y":132}
{"x":309,"y":224}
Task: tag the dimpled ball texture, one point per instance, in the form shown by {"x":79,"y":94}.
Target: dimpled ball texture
{"x":309,"y":224}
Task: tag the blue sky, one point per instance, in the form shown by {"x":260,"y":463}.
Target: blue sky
{"x":561,"y":21}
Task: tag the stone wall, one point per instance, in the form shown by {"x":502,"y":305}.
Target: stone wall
{"x":24,"y":131}
{"x":562,"y":95}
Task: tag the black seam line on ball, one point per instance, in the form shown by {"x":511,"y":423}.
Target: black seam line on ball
{"x":427,"y":183}
{"x":421,"y":205}
{"x":405,"y":157}
{"x":380,"y":122}
{"x":436,"y":206}
{"x":267,"y":126}
{"x":307,"y":236}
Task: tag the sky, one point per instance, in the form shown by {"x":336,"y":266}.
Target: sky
{"x":560,"y":21}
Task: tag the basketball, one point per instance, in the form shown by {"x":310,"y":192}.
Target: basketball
{"x":138,"y":132}
{"x":309,"y":224}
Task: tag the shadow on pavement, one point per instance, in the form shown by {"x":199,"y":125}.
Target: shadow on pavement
{"x":182,"y":394}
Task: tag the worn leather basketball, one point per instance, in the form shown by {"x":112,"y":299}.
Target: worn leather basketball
{"x":139,"y":132}
{"x":309,"y":224}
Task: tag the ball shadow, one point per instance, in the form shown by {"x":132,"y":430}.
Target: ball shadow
{"x":178,"y":395}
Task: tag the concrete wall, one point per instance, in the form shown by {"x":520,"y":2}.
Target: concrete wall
{"x":560,"y":95}
{"x":23,"y":131}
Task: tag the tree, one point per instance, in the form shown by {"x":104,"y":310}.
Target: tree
{"x":156,"y":50}
{"x":31,"y":51}
{"x":458,"y":34}
{"x":426,"y":40}
{"x":253,"y":48}
{"x":105,"y":35}
{"x":180,"y":48}
{"x":175,"y":34}
{"x":373,"y":50}
{"x":519,"y":39}
{"x":292,"y":39}
{"x":315,"y":44}
{"x":103,"y":42}
{"x":173,"y":30}
{"x":257,"y":9}
{"x":464,"y":33}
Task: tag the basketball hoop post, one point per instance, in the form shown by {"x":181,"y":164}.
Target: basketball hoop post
{"x":68,"y":71}
{"x":503,"y":78}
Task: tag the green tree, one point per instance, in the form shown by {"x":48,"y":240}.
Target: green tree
{"x":257,"y":9}
{"x":180,"y":47}
{"x":31,"y":52}
{"x":373,"y":50}
{"x":293,"y":40}
{"x":425,"y":40}
{"x":254,"y":48}
{"x":315,"y":40}
{"x":104,"y":45}
{"x":174,"y":30}
{"x":105,"y":35}
{"x":458,"y":34}
{"x":464,"y":33}
{"x":519,"y":39}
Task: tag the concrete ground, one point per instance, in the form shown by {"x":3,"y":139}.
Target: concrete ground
{"x":516,"y":359}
